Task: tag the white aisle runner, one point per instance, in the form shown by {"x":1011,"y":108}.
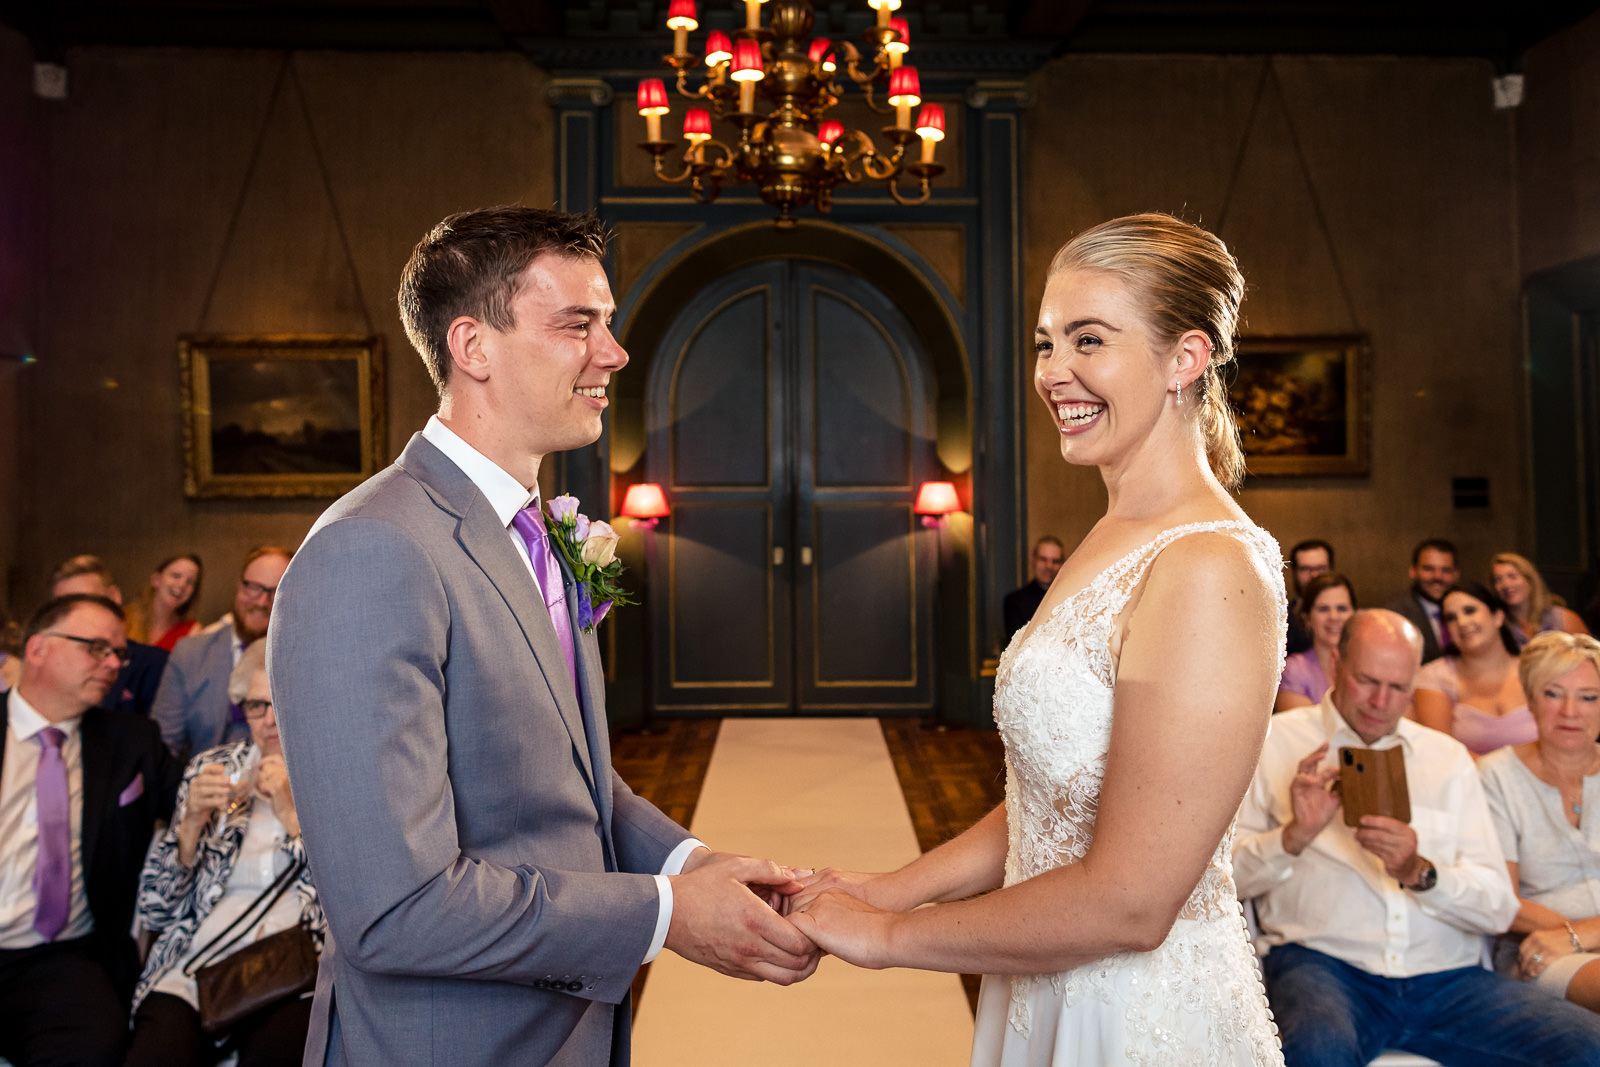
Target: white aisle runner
{"x":803,"y":792}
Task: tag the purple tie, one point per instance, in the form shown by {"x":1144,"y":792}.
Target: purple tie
{"x":530,"y":524}
{"x":52,"y":871}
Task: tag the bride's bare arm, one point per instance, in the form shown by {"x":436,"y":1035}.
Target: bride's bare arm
{"x":973,"y":862}
{"x":1195,"y":682}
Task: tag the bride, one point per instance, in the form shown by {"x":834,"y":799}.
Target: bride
{"x":1132,"y":708}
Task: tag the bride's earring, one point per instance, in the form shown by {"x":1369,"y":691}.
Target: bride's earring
{"x":1180,"y":394}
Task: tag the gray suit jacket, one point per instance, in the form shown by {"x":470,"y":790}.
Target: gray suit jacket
{"x":192,"y":706}
{"x":469,"y":840}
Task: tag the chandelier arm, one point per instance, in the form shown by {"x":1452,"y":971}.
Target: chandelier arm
{"x":894,"y":191}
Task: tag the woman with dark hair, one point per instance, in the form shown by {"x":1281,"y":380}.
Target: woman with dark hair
{"x":1325,"y":603}
{"x":1472,"y":692}
{"x":161,"y":616}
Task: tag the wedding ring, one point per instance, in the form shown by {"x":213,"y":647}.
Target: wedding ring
{"x":1537,"y":958}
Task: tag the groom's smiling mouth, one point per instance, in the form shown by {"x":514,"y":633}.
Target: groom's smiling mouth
{"x":596,"y":392}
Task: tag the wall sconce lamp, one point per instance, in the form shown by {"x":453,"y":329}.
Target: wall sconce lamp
{"x":645,"y":504}
{"x":935,"y":500}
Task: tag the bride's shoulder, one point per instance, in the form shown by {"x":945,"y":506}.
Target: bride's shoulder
{"x":1229,"y":560}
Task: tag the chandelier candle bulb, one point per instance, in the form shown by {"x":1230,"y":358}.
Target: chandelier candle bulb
{"x":697,"y":125}
{"x":930,"y":127}
{"x":681,"y":18}
{"x":883,"y":7}
{"x":830,"y":131}
{"x":752,"y":14}
{"x":719,"y":49}
{"x":820,"y":53}
{"x":747,"y":70}
{"x":905,"y":93}
{"x":898,"y":47}
{"x":652,"y":105}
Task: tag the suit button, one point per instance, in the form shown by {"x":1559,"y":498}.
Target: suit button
{"x":574,"y":987}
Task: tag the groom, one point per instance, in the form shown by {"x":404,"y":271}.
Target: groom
{"x":491,"y":885}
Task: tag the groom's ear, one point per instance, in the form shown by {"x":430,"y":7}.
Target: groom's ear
{"x":466,"y":337}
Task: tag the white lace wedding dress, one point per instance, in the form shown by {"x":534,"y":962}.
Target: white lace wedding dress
{"x":1197,"y":1000}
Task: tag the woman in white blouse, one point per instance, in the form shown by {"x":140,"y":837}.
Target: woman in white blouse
{"x":234,"y":833}
{"x":1544,"y":797}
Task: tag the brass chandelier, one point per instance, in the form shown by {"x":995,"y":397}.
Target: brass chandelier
{"x":792,"y":153}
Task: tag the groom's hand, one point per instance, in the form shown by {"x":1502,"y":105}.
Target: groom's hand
{"x":816,"y":883}
{"x":718,"y":919}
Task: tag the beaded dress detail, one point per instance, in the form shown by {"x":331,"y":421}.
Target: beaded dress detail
{"x":1198,"y":998}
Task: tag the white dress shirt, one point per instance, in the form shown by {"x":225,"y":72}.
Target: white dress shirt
{"x":507,"y":496}
{"x":1335,"y":896}
{"x":19,"y":825}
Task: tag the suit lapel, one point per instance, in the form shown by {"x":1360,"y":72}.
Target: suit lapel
{"x":591,"y":696}
{"x":96,"y":754}
{"x":488,"y":545}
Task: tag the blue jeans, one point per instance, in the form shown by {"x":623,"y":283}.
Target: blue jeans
{"x":1330,"y":1013}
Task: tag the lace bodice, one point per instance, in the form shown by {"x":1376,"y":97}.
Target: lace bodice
{"x":1053,"y":706}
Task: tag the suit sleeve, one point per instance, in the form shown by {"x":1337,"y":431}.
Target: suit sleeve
{"x":357,"y":652}
{"x":172,"y":699}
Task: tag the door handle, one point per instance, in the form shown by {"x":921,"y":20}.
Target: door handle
{"x":805,"y":556}
{"x":777,"y":555}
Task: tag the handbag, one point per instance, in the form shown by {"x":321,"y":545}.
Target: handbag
{"x":258,"y":975}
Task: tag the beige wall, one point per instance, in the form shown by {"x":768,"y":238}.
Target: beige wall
{"x":145,"y":164}
{"x":18,"y":162}
{"x":1413,"y":169}
{"x":1558,"y":142}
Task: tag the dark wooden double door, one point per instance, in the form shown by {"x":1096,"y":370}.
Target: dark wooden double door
{"x":790,"y":421}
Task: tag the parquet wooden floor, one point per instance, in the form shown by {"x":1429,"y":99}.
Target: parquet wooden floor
{"x":950,"y":779}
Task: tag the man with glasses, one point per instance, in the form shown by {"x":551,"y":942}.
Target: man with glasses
{"x":192,"y":705}
{"x":135,"y":686}
{"x":1306,"y":560}
{"x":81,"y":789}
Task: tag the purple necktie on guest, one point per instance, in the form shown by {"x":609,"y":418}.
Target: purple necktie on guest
{"x":529,"y":524}
{"x":52,"y":871}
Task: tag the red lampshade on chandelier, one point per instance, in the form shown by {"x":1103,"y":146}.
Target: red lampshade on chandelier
{"x":773,"y":85}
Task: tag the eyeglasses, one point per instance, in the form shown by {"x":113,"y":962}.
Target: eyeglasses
{"x":257,"y":590}
{"x":255,"y":709}
{"x":98,"y":647}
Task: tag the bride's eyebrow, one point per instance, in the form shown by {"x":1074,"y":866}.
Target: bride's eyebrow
{"x":1081,"y":323}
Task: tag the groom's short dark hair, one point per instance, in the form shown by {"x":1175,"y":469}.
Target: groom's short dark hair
{"x":471,"y":263}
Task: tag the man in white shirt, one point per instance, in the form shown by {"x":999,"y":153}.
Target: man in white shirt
{"x":1375,"y":933}
{"x":80,"y":791}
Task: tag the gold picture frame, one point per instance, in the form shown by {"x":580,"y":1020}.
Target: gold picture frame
{"x":281,"y":415}
{"x":1303,"y":405}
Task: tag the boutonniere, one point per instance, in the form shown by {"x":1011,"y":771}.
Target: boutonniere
{"x":590,"y":549}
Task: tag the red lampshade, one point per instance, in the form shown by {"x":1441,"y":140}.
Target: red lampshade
{"x":652,"y":97}
{"x":930,"y":122}
{"x":934,"y":498}
{"x":820,"y":53}
{"x":718,"y":48}
{"x":681,"y":16}
{"x":905,"y":89}
{"x":747,"y":61}
{"x":830,"y":131}
{"x":903,"y":45}
{"x":696,"y":124}
{"x":645,"y":500}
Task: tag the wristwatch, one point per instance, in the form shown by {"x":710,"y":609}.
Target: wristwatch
{"x":1427,"y":878}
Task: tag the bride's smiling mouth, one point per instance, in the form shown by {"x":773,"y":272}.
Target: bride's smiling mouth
{"x":1075,"y":416}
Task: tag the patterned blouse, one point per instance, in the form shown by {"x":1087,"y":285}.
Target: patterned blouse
{"x":174,"y":900}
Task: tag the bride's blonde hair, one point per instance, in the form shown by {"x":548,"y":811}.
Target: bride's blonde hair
{"x":1186,"y":279}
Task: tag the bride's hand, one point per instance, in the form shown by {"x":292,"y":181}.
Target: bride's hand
{"x":848,"y":927}
{"x":855,"y":883}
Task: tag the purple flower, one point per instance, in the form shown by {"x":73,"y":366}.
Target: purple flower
{"x":562,"y":508}
{"x":581,"y":530}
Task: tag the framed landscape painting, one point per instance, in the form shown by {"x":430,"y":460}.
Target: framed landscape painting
{"x":1303,"y":406}
{"x":282,"y":415}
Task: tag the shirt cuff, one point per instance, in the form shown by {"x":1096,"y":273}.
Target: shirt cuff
{"x":674,"y":865}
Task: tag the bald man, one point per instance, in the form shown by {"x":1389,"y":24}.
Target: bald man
{"x":1376,"y":931}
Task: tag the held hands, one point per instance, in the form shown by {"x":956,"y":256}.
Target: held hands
{"x":722,"y":918}
{"x":1542,"y":948}
{"x":1313,"y":801}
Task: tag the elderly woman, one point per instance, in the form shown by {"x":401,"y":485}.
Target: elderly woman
{"x":1539,"y":794}
{"x":1328,"y":600}
{"x":234,"y":837}
{"x":1471,"y":692}
{"x":1530,"y":606}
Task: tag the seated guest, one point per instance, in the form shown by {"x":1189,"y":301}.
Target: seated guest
{"x":161,"y":615}
{"x":1471,"y":692}
{"x":1433,"y":570}
{"x":1530,"y":606}
{"x":10,"y":663}
{"x":135,"y":687}
{"x":81,"y":789}
{"x":192,"y":705}
{"x":1327,"y":601}
{"x":226,"y":851}
{"x":1020,"y":604}
{"x":1306,"y":560}
{"x":1538,"y":795}
{"x":1375,"y":932}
